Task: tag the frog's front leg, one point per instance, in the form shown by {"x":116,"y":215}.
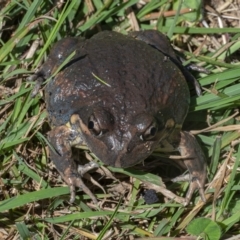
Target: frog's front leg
{"x":194,"y":160}
{"x":62,"y":138}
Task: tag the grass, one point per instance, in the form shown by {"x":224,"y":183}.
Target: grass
{"x":33,"y":199}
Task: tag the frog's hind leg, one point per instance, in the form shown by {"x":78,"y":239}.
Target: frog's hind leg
{"x":194,"y":160}
{"x":62,"y":138}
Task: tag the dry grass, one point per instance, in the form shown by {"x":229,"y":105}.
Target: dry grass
{"x":34,"y":205}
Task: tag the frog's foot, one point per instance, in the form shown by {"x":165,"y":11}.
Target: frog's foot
{"x":195,"y":162}
{"x":61,"y":139}
{"x":196,"y":183}
{"x":77,"y":181}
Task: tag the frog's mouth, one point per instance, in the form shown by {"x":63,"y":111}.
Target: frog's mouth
{"x":121,"y":158}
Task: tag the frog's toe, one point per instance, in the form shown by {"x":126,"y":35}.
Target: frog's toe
{"x":72,"y":193}
{"x":195,"y":184}
{"x":74,"y":182}
{"x":194,"y":160}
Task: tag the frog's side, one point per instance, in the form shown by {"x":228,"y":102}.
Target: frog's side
{"x":142,"y":105}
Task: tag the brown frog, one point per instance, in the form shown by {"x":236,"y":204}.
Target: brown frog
{"x":122,"y":97}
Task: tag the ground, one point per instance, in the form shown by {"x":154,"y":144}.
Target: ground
{"x":34,"y":200}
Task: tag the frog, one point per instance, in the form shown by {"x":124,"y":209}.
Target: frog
{"x":122,"y":96}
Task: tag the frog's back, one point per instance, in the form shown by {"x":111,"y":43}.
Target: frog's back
{"x":138,"y":78}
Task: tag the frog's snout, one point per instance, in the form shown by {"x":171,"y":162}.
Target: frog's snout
{"x":127,"y":153}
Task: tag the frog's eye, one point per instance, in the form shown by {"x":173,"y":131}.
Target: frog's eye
{"x":150,"y":132}
{"x":94,"y":126}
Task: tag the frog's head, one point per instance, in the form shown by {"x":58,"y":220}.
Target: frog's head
{"x":120,"y":142}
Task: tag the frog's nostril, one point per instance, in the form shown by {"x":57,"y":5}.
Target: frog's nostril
{"x":153,"y":131}
{"x":94,"y":126}
{"x":90,"y":124}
